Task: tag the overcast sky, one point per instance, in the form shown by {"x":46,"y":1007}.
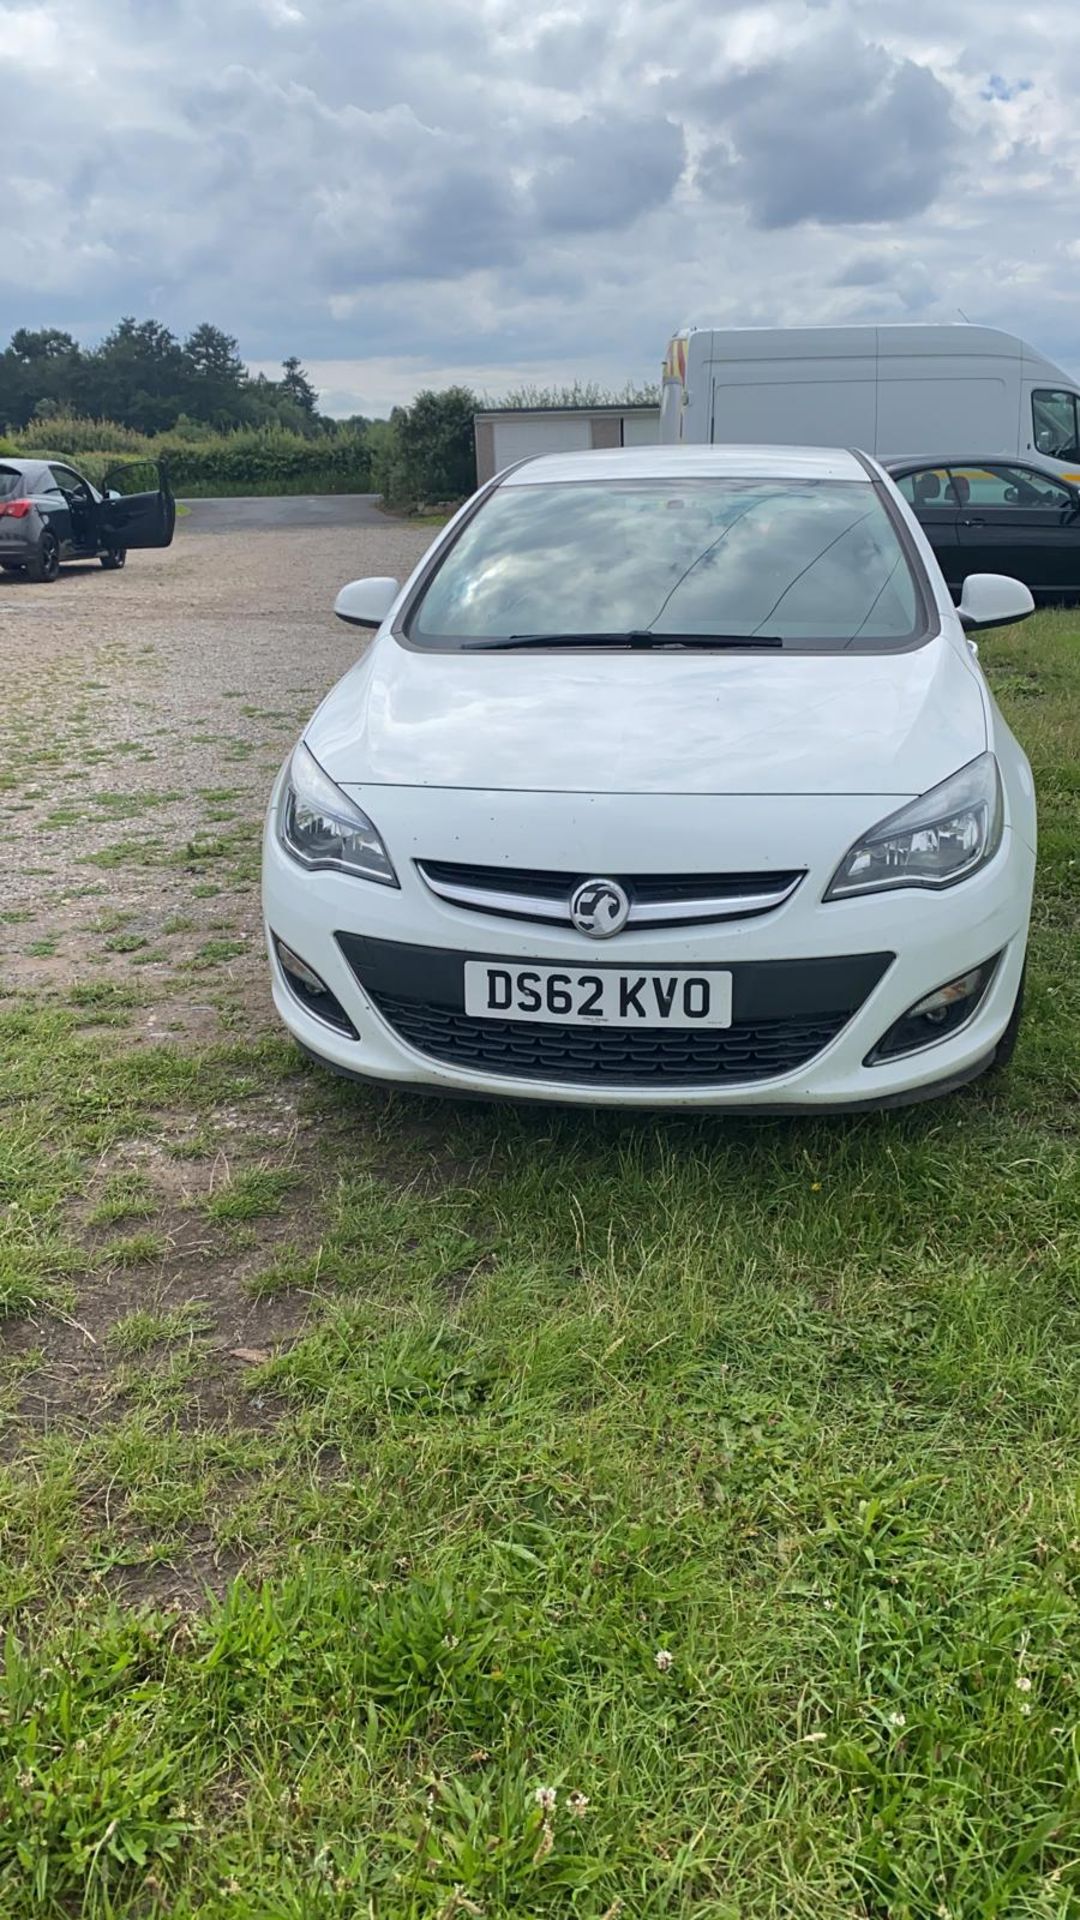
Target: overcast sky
{"x":478,"y":189}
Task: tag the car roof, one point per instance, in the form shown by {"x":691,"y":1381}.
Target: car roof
{"x":691,"y":463}
{"x":972,"y":460}
{"x":15,"y":464}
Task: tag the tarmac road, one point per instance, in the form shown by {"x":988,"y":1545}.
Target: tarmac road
{"x":283,"y":513}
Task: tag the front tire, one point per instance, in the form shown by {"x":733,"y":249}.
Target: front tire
{"x":44,"y":563}
{"x":113,"y":559}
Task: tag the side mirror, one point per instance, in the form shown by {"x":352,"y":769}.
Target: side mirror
{"x":366,"y":603}
{"x":993,"y":600}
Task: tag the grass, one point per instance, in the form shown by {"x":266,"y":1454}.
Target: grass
{"x":125,"y":1196}
{"x":248,"y":1195}
{"x":133,"y":1249}
{"x":140,"y":1331}
{"x":545,"y":1514}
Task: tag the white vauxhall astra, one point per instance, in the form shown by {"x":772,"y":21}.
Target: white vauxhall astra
{"x":670,"y":778}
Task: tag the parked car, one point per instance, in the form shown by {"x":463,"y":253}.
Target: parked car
{"x":669,"y":779}
{"x":50,"y":512}
{"x":892,"y":390}
{"x":1013,"y":516}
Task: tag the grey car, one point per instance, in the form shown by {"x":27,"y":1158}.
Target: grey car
{"x":49,"y":512}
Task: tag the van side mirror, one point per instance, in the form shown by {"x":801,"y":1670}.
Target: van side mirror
{"x":993,"y":600}
{"x":366,"y":603}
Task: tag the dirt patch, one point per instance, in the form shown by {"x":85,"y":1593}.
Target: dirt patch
{"x":145,"y":715}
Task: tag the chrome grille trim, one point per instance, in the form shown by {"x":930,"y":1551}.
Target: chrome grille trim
{"x":554,"y":907}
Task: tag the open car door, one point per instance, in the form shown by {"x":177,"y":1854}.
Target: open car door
{"x":138,"y":509}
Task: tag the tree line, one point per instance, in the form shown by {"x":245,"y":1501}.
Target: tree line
{"x":222,"y":428}
{"x":145,"y":378}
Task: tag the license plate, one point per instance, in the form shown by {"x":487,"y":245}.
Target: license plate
{"x":608,"y":997}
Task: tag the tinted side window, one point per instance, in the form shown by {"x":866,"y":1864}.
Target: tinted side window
{"x":1011,"y":487}
{"x":927,"y":488}
{"x":67,"y":480}
{"x":1053,"y":417}
{"x":11,"y":483}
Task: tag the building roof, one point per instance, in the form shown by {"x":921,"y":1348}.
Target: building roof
{"x":617,"y":408}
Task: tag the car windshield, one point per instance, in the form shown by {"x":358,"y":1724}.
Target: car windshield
{"x":818,"y":563}
{"x":11,"y":483}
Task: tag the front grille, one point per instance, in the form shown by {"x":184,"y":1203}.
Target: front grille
{"x":615,"y":1056}
{"x":783,"y":1013}
{"x":656,"y":899}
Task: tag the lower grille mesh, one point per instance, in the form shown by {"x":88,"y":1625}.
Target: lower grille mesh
{"x":617,"y":1056}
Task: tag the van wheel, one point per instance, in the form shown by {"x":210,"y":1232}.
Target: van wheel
{"x":44,"y":564}
{"x":113,"y":559}
{"x":1006,"y":1046}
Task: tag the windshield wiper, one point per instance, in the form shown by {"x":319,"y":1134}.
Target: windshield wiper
{"x":643,"y":638}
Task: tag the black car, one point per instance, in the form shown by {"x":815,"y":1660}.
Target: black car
{"x":50,"y":512}
{"x":997,"y":515}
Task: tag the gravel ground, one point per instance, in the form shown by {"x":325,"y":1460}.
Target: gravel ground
{"x":143,"y":717}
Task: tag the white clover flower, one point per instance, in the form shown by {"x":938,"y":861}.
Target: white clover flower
{"x":546,"y":1797}
{"x":577,"y":1805}
{"x":897,"y":1718}
{"x":663,"y":1659}
{"x":1023,"y":1683}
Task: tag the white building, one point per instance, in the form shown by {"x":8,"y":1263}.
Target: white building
{"x":515,"y":433}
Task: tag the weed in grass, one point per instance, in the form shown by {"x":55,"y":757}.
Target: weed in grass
{"x":128,"y":806}
{"x":125,"y":942}
{"x":111,"y":920}
{"x":291,"y":1271}
{"x":129,"y":853}
{"x":45,"y":948}
{"x":125,"y":1196}
{"x":143,"y":1329}
{"x":249,"y":1195}
{"x":102,"y":993}
{"x":214,"y":953}
{"x":133,"y":1250}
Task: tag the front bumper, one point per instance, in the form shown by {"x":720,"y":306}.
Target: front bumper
{"x":846,"y":970}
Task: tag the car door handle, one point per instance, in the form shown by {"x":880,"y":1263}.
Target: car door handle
{"x":971,"y":523}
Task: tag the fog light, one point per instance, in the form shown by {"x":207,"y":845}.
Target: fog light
{"x":298,"y":969}
{"x":937,"y":1016}
{"x":312,"y":992}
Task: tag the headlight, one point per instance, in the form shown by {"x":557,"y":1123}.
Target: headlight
{"x":937,"y":840}
{"x":321,"y":827}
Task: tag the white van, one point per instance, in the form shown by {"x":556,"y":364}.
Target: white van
{"x":891,"y":391}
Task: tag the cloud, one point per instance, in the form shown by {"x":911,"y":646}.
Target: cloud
{"x":842,"y":132}
{"x":605,"y":170}
{"x":464,"y":184}
{"x":866,"y":270}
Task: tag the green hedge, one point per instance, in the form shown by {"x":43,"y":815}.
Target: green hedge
{"x":270,"y":462}
{"x":260,"y":461}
